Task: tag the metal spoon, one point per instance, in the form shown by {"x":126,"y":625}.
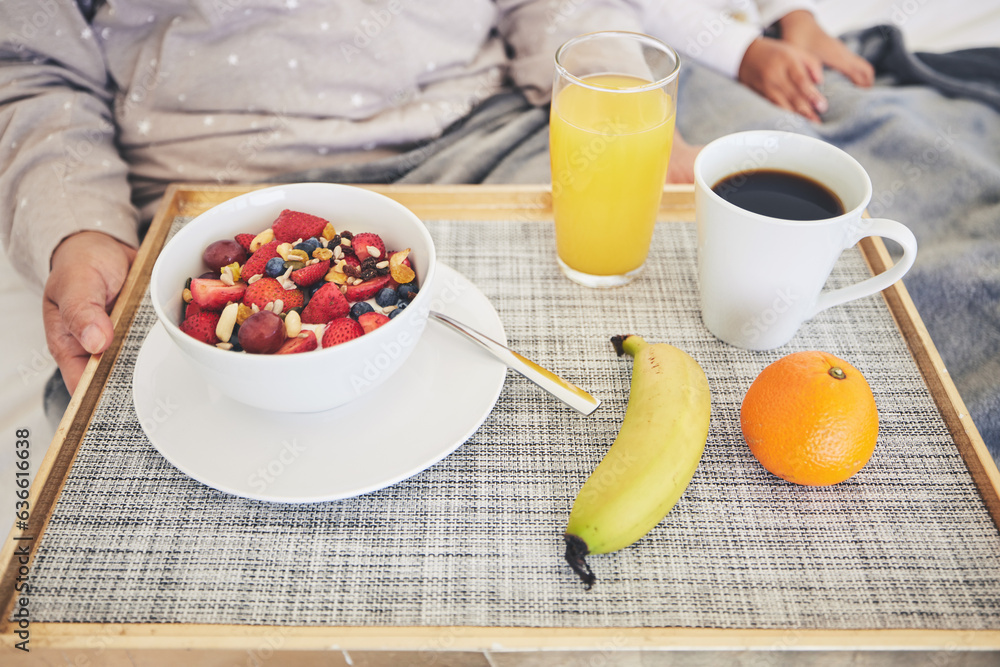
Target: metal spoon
{"x":567,"y":392}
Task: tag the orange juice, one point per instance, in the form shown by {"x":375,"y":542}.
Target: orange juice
{"x":609,"y":151}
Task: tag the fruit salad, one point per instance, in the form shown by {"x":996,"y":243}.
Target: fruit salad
{"x":296,"y":286}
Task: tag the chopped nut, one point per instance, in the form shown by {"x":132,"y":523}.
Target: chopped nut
{"x":264,"y":237}
{"x":384,"y":264}
{"x":283,"y":249}
{"x":293,"y":324}
{"x":374,"y":252}
{"x":227,"y":321}
{"x":255,"y":278}
{"x":224,"y":346}
{"x":297,"y":256}
{"x":346,"y":242}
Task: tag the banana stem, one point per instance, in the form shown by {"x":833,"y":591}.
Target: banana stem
{"x":576,"y":549}
{"x":629,"y":344}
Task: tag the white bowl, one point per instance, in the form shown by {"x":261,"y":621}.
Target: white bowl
{"x":308,"y":381}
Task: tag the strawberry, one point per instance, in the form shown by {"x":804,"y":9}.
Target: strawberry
{"x":191,"y":310}
{"x":367,"y":289}
{"x":325,"y":305}
{"x":340,"y":331}
{"x":361,"y":243}
{"x":202,"y":326}
{"x":304,"y":342}
{"x":294,"y":225}
{"x":313,"y":273}
{"x":255,"y":265}
{"x":266,"y":290}
{"x":245,"y":240}
{"x":213,"y":294}
{"x":372,"y":321}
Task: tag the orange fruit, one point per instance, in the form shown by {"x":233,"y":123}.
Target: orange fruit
{"x":810,"y":418}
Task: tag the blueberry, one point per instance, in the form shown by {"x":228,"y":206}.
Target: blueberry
{"x":394,"y":312}
{"x":401,"y":305}
{"x":386,"y":297}
{"x":308,"y":246}
{"x":407,"y":292}
{"x":274,"y":267}
{"x":360,"y":308}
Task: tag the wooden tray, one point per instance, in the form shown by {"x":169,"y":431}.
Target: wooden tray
{"x":153,"y":643}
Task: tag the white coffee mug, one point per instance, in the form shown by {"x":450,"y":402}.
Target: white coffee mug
{"x":761,"y":277}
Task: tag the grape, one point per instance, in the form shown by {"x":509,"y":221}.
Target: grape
{"x":262,"y":333}
{"x":222,"y":253}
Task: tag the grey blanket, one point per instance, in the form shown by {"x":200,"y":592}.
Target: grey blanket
{"x":928,"y":133}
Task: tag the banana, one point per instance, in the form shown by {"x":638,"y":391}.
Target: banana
{"x":653,"y":458}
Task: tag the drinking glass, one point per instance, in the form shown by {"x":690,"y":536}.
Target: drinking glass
{"x":611,"y":131}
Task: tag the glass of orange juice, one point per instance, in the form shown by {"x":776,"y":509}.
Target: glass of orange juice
{"x":611,"y":131}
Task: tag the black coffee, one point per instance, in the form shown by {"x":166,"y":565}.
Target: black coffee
{"x":779,"y":194}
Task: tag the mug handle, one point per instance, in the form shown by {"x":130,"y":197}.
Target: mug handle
{"x":889,"y":229}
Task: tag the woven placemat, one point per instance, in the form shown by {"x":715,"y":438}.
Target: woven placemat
{"x":476,"y":539}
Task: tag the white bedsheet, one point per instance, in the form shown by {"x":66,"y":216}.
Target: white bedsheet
{"x":929,"y":25}
{"x":24,"y":368}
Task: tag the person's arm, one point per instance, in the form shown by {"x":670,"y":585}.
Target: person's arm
{"x":534,"y":29}
{"x":66,"y":220}
{"x":709,"y":33}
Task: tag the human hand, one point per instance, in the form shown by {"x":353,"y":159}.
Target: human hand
{"x":88,"y":272}
{"x":784,"y":74}
{"x":800,"y":29}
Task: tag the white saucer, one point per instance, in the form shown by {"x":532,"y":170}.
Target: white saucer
{"x":433,"y":404}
